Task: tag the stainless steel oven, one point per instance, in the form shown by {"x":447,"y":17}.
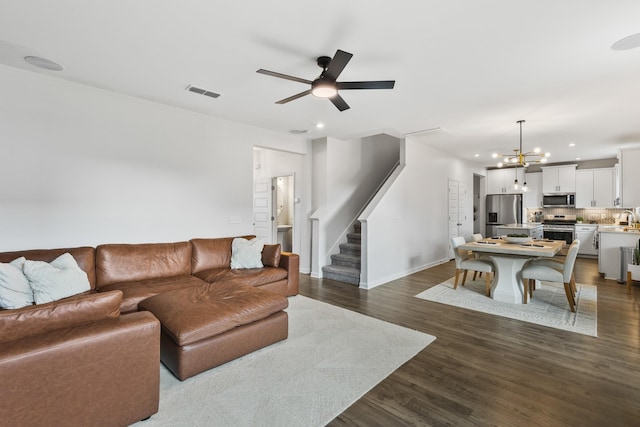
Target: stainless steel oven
{"x":559,"y":227}
{"x":559,"y":232}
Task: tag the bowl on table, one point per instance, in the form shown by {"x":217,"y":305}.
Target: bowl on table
{"x":517,"y":239}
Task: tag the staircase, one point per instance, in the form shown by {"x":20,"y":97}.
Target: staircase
{"x":345,"y":266}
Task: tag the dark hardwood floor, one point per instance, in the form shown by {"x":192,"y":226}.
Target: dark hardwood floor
{"x":489,"y":370}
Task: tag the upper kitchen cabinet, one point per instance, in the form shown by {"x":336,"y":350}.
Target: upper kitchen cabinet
{"x":559,"y":179}
{"x":533,"y":197}
{"x":595,"y":188}
{"x":630,"y":177}
{"x":500,"y":181}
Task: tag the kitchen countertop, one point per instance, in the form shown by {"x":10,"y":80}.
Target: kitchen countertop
{"x":618,"y":229}
{"x":527,"y":226}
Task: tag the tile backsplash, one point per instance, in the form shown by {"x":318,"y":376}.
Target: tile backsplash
{"x":591,"y":215}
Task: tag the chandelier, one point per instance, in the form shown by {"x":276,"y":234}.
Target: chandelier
{"x":520,"y":158}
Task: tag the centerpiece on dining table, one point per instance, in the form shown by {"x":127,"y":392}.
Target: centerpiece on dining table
{"x":517,"y":238}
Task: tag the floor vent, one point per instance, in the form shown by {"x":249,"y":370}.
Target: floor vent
{"x":201,"y":91}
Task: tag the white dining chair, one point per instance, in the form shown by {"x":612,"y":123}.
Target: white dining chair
{"x":476,"y":238}
{"x":553,"y":271}
{"x":464,"y":263}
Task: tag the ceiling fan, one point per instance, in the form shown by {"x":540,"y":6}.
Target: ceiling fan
{"x":326,"y":85}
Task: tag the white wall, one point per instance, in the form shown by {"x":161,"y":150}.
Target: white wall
{"x":84,"y":166}
{"x":407,"y":230}
{"x":346,"y":173}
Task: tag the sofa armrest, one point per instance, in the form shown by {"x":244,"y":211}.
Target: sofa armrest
{"x":64,"y":313}
{"x":100,"y":373}
{"x":291,"y":262}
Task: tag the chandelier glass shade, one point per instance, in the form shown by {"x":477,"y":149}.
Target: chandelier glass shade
{"x":519,"y":158}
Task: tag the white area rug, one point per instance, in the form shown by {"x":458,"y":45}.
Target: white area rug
{"x":548,"y":307}
{"x":331,"y":358}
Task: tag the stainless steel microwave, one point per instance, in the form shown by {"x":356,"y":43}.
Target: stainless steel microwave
{"x":559,"y":200}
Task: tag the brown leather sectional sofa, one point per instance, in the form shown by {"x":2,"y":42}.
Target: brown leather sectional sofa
{"x":93,"y":358}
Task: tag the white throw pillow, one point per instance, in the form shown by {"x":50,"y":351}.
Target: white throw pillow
{"x":56,"y":280}
{"x":246,"y":253}
{"x":14,"y":286}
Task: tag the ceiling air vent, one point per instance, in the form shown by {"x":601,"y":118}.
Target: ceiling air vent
{"x":201,"y":91}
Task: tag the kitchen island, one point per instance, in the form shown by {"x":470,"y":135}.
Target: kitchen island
{"x":532,"y":229}
{"x":610,"y":240}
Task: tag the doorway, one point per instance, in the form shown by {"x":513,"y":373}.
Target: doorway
{"x":283,"y":213}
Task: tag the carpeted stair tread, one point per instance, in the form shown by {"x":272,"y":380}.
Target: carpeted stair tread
{"x":341,"y":274}
{"x":346,"y":260}
{"x":350,"y":248}
{"x":345,"y":266}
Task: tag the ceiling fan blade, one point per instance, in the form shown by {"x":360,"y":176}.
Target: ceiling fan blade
{"x":337,"y":64}
{"x":294,"y":97}
{"x":339,"y":102}
{"x":380,"y":84}
{"x":283,"y":76}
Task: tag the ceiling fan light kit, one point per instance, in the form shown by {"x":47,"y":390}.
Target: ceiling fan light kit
{"x":326,"y":85}
{"x":324,"y":89}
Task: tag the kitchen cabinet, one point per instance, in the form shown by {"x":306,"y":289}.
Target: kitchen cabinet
{"x":500,"y":181}
{"x":533,"y":197}
{"x":630,"y":177}
{"x":559,"y":179}
{"x":595,"y":188}
{"x":586,"y":233}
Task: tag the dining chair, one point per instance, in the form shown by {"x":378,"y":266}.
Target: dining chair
{"x":553,"y":271}
{"x":476,"y":238}
{"x":464,"y":263}
{"x":557,"y":262}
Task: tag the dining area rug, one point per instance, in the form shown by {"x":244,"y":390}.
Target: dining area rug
{"x":548,"y":307}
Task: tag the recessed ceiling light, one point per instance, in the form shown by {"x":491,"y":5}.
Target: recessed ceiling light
{"x":476,"y":155}
{"x":629,"y":42}
{"x":43,"y":63}
{"x":572,"y":145}
{"x":320,"y":125}
{"x":578,"y":158}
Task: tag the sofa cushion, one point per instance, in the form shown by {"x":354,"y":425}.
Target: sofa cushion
{"x":15,"y":291}
{"x":271,"y":255}
{"x":117,"y":263}
{"x":136,"y":291}
{"x":212,"y":253}
{"x":61,"y":278}
{"x":249,"y":276}
{"x":65,"y":313}
{"x":189,"y":315}
{"x":85,"y":256}
{"x":246,"y":253}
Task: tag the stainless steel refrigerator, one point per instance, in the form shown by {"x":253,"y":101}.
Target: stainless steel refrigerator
{"x":503,"y":209}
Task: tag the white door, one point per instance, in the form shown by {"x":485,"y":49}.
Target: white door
{"x":262,"y":218}
{"x":457,"y":194}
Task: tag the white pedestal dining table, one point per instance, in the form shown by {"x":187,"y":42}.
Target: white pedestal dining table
{"x":508,"y":259}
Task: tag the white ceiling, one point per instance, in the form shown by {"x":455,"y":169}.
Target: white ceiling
{"x":472,"y":68}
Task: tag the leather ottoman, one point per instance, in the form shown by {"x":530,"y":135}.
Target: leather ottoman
{"x":208,"y":325}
